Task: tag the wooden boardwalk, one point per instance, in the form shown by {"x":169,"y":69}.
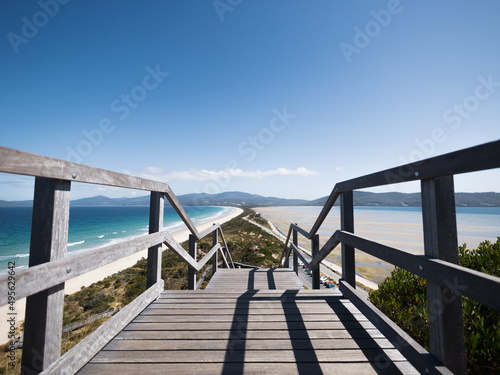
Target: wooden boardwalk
{"x":242,"y":323}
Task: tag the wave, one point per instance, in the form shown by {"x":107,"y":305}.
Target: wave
{"x":213,"y":216}
{"x":76,"y":243}
{"x":4,"y":257}
{"x":101,"y":236}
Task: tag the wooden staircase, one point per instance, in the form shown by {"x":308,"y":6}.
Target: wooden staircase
{"x":250,"y":321}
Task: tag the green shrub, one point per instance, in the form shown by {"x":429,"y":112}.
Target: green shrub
{"x":403,"y":298}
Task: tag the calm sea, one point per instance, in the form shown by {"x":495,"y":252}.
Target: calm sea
{"x":91,"y":227}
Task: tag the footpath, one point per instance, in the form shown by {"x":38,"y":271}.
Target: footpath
{"x":329,"y":269}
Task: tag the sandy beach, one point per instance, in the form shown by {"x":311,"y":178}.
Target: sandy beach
{"x":75,"y":284}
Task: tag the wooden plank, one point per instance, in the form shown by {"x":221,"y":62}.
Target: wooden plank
{"x":316,"y":271}
{"x":24,"y":163}
{"x":155,"y":252}
{"x":295,"y":241}
{"x":332,"y":198}
{"x":191,"y":272}
{"x":226,"y":247}
{"x":250,"y":335}
{"x":306,"y":294}
{"x":215,"y":242}
{"x":314,"y":316}
{"x":225,"y":264}
{"x":327,"y":248}
{"x":173,"y":245}
{"x":77,"y":357}
{"x":278,"y":344}
{"x":300,"y":230}
{"x":259,"y":326}
{"x":174,"y":202}
{"x":446,"y":331}
{"x":410,"y":349}
{"x":285,"y":248}
{"x":236,"y":368}
{"x":44,"y":310}
{"x":286,"y":264}
{"x":208,"y":256}
{"x":37,"y":278}
{"x":347,"y":225}
{"x":208,"y":312}
{"x":259,"y":356}
{"x":234,"y":304}
{"x":209,"y":230}
{"x":300,"y":255}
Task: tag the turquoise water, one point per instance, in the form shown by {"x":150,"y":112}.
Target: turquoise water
{"x":91,"y":227}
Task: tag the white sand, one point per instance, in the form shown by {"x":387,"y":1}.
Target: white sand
{"x":75,"y":284}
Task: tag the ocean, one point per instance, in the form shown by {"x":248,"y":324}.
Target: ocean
{"x":91,"y":227}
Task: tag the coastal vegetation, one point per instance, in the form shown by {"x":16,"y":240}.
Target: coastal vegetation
{"x":403,"y":298}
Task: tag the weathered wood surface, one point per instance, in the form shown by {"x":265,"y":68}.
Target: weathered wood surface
{"x":411,"y":350}
{"x":25,"y":163}
{"x":446,"y":327}
{"x":252,"y":279}
{"x":347,"y":225}
{"x":76,"y":358}
{"x":156,"y":208}
{"x":230,"y":329}
{"x":49,"y":238}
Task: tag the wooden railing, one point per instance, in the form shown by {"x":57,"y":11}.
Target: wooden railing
{"x":43,"y":282}
{"x":446,"y":280}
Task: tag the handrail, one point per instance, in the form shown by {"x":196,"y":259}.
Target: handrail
{"x":439,"y":265}
{"x":28,"y":164}
{"x":43,"y":282}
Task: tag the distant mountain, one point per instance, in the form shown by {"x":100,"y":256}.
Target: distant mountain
{"x":236,"y":198}
{"x":16,"y":203}
{"x":365,"y":198}
{"x":101,"y":200}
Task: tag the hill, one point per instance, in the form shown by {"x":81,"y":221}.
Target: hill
{"x":365,"y":198}
{"x":236,"y":198}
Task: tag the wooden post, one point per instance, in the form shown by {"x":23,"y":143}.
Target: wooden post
{"x":440,"y":241}
{"x":49,"y":240}
{"x":192,"y":272}
{"x":347,"y":224}
{"x":315,"y":250}
{"x":155,"y":225}
{"x":215,"y":240}
{"x":295,"y":257}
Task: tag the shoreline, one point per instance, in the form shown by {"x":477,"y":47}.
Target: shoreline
{"x":74,"y":285}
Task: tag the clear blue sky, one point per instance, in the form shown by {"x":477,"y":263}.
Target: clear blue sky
{"x":274,"y":97}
